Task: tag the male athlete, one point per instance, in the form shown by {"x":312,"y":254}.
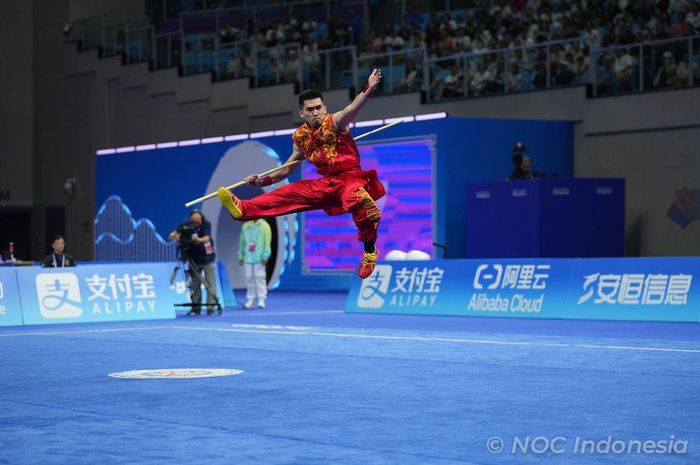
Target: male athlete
{"x":325,"y":140}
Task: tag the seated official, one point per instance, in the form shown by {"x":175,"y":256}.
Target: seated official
{"x":58,"y":259}
{"x":523,"y":168}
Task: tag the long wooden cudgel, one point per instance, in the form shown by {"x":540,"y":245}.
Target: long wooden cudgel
{"x":268,"y":172}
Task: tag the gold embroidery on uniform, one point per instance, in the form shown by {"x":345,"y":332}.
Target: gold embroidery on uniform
{"x":329,"y":139}
{"x":302,"y":137}
{"x":371,"y":209}
{"x":326,"y":135}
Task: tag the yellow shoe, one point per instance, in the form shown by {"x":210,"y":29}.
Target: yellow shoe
{"x":231,"y":202}
{"x":369,"y":261}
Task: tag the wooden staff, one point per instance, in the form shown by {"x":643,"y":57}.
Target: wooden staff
{"x":274,"y":170}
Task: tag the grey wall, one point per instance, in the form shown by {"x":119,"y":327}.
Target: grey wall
{"x":80,"y":9}
{"x":84,"y":103}
{"x":653,"y":141}
{"x":16,"y":104}
{"x":63,"y":133}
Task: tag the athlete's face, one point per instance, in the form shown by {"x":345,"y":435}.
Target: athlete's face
{"x":313,"y":112}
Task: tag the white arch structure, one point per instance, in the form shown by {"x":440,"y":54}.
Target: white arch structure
{"x":238,"y":162}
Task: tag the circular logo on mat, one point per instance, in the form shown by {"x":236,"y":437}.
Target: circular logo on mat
{"x":176,"y":373}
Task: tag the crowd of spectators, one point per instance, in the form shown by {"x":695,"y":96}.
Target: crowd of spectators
{"x":574,"y":30}
{"x":278,"y":49}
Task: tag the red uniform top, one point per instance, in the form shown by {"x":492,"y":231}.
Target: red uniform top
{"x":334,"y":154}
{"x":330,"y":150}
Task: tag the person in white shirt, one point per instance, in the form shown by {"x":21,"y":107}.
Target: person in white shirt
{"x":254,"y":250}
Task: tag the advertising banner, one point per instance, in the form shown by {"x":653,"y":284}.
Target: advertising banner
{"x":115,"y":292}
{"x":10,"y":307}
{"x":642,"y":289}
{"x":657,"y":289}
{"x":522,"y":288}
{"x":422,"y":287}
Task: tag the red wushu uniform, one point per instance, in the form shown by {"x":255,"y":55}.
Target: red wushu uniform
{"x":344,"y":187}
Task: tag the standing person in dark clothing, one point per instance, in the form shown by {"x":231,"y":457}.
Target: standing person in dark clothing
{"x":197,"y":245}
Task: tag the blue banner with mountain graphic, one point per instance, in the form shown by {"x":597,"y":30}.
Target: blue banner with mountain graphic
{"x":122,"y":238}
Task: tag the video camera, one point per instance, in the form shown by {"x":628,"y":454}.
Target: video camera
{"x":186,"y":231}
{"x":519,"y":150}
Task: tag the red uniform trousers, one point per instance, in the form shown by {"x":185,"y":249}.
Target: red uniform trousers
{"x":347,"y":192}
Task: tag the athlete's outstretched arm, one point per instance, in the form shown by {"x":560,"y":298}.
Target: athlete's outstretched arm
{"x":344,"y":117}
{"x":279,"y":175}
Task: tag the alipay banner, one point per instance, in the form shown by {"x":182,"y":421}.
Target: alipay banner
{"x":135,"y":291}
{"x":10,"y":308}
{"x":422,"y":287}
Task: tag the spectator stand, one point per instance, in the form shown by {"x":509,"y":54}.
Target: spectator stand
{"x":660,"y":64}
{"x":394,"y":65}
{"x":496,"y":50}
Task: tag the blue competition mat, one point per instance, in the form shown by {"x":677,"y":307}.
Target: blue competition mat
{"x":319,"y":386}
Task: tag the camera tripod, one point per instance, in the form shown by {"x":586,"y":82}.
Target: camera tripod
{"x":189,"y":269}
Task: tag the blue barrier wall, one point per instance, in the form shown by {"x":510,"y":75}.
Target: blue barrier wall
{"x":96,"y":293}
{"x":659,"y":289}
{"x":643,"y":289}
{"x":155,"y":184}
{"x":93,"y":293}
{"x":10,"y":307}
